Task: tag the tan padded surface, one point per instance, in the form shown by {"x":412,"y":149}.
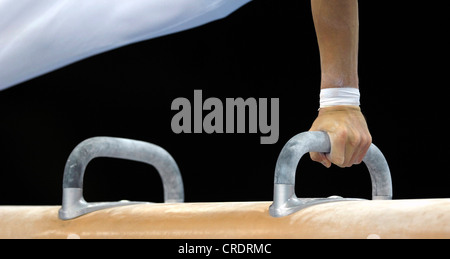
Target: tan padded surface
{"x":427,"y":218}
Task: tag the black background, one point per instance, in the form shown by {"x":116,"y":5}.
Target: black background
{"x":265,"y":49}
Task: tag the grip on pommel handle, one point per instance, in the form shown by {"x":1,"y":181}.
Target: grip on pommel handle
{"x":73,"y":203}
{"x":285,"y":201}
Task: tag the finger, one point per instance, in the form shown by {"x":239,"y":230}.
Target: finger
{"x":364,"y":148}
{"x":338,"y":143}
{"x":353,"y":148}
{"x":321,"y":158}
{"x":360,"y":149}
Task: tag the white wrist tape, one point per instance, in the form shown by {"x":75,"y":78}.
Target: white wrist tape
{"x":339,"y":96}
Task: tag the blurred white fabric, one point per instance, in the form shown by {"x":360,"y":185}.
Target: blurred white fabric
{"x":39,"y":36}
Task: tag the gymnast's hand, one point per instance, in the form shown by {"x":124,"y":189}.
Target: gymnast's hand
{"x":349,"y":135}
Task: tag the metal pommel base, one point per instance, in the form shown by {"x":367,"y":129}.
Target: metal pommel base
{"x":75,"y":205}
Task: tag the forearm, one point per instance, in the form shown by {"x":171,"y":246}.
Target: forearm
{"x":337,"y":28}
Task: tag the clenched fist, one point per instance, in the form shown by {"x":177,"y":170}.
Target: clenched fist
{"x":349,"y":135}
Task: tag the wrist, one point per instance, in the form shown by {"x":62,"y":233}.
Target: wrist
{"x":340,"y":108}
{"x":345,"y":96}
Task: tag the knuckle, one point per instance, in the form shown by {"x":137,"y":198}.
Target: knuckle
{"x":367,"y":139}
{"x":355,"y":141}
{"x":342,"y":134}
